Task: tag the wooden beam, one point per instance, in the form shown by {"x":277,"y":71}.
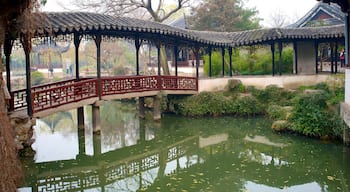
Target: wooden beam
{"x":280,"y":49}
{"x":295,"y":48}
{"x":27,"y":47}
{"x":230,"y":54}
{"x":273,"y":58}
{"x":176,"y":55}
{"x":98,"y":40}
{"x":77,"y":40}
{"x":223,"y":60}
{"x":316,"y":55}
{"x":8,"y":44}
{"x":210,"y":60}
{"x":137,"y":46}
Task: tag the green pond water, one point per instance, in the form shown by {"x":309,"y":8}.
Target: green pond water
{"x":178,"y":154}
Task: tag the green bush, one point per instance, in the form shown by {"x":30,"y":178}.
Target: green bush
{"x":277,"y":112}
{"x":258,"y":62}
{"x":312,"y":117}
{"x":205,"y":103}
{"x":247,"y":106}
{"x":273,"y":94}
{"x":37,"y":78}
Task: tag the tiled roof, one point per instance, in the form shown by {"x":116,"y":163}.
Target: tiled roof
{"x":91,"y":23}
{"x":332,"y":9}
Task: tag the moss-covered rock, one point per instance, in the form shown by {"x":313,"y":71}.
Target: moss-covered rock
{"x":280,"y":126}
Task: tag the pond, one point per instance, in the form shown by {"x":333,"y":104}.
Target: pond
{"x":178,"y":154}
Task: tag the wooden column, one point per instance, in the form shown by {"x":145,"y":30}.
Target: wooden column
{"x":81,"y":120}
{"x":223,"y":60}
{"x":96,"y":118}
{"x":157,"y":112}
{"x":77,"y":40}
{"x":176,"y":55}
{"x":316,"y":55}
{"x":7,"y":51}
{"x":142,"y":107}
{"x":196,"y":52}
{"x":98,"y":61}
{"x":332,"y":56}
{"x":81,"y":140}
{"x":336,"y":56}
{"x":230,"y":53}
{"x":80,"y":110}
{"x":273,"y":58}
{"x":280,"y":49}
{"x":210,"y":60}
{"x":27,"y":47}
{"x":158,"y":55}
{"x":295,"y":48}
{"x":137,"y":46}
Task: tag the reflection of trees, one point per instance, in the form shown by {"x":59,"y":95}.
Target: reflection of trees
{"x":224,"y":166}
{"x":61,"y":121}
{"x":120,"y":125}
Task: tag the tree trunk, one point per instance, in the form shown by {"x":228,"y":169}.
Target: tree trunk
{"x":164,"y":60}
{"x":10,"y":171}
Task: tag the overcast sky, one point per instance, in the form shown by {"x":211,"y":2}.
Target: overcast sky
{"x":293,"y":9}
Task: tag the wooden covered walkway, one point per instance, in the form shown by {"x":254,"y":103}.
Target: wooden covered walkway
{"x":98,"y":27}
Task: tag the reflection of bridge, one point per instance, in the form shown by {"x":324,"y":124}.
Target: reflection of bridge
{"x":50,"y":98}
{"x":265,"y":165}
{"x":109,"y":169}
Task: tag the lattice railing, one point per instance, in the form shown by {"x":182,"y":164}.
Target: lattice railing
{"x":64,"y":92}
{"x":60,"y":95}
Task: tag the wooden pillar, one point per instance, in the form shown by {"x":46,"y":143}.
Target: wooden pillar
{"x":316,"y":55}
{"x":223,"y":60}
{"x":81,"y":139}
{"x":210,"y":61}
{"x":81,"y":120}
{"x":336,"y":56}
{"x":7,"y":51}
{"x":27,"y":47}
{"x":98,"y":58}
{"x":142,"y":107}
{"x":96,"y":138}
{"x":280,"y":49}
{"x":137,"y":46}
{"x":157,"y":108}
{"x":96,"y":119}
{"x":196,"y":52}
{"x":332,"y":57}
{"x":158,"y":55}
{"x":176,"y":55}
{"x":273,"y":58}
{"x":295,"y":48}
{"x":230,"y":53}
{"x":77,"y":40}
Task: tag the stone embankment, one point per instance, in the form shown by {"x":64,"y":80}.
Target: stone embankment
{"x":22,"y":126}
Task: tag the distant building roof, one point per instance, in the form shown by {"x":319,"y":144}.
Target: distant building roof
{"x":178,"y":21}
{"x":321,"y":14}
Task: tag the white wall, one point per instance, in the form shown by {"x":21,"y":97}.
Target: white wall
{"x":347,"y":86}
{"x":306,"y":57}
{"x":286,"y":81}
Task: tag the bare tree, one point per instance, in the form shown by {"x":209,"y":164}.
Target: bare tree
{"x":156,"y":10}
{"x":278,"y":18}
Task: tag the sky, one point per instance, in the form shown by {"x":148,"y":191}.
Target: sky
{"x":292,"y":9}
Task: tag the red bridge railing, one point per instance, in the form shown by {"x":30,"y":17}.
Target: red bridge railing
{"x":52,"y":95}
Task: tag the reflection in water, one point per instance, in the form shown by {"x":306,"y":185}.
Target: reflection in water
{"x":179,"y":154}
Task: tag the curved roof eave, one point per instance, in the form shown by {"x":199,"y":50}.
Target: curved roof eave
{"x":51,"y":23}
